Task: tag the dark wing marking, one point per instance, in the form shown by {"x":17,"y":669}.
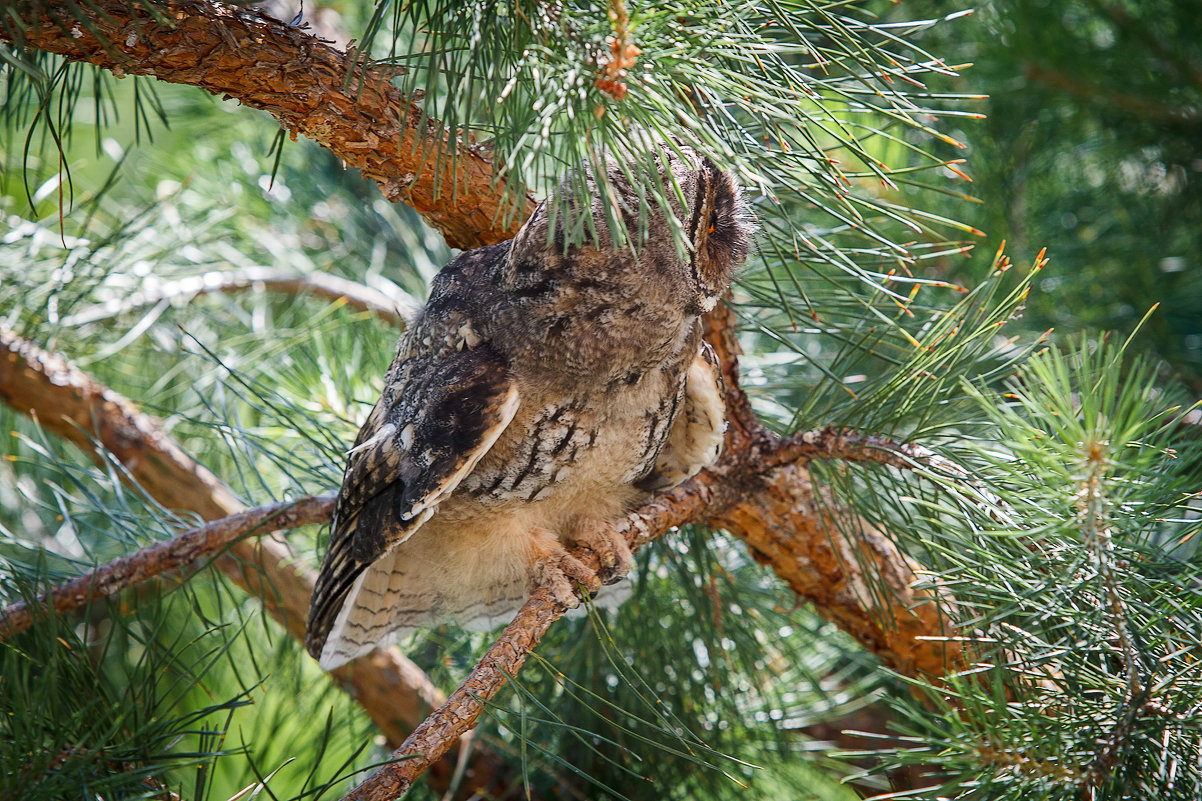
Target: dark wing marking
{"x":439,"y":416}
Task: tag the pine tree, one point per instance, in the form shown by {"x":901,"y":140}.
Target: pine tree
{"x":941,"y":556}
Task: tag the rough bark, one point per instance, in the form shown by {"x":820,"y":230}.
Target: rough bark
{"x":852,"y":574}
{"x":340,"y":100}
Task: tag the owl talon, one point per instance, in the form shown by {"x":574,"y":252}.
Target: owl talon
{"x":611,"y":549}
{"x":562,"y":574}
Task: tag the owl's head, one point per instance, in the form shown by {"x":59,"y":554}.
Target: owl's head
{"x":718,"y":227}
{"x":709,"y":235}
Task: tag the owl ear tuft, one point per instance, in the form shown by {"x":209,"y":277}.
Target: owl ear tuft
{"x":531,"y":241}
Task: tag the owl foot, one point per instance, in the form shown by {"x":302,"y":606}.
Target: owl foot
{"x":562,"y":573}
{"x":610,"y":547}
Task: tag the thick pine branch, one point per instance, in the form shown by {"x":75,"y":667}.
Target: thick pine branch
{"x":336,"y":99}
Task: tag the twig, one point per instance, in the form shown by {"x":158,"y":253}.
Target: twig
{"x":394,"y":310}
{"x":1102,"y":95}
{"x":162,"y":557}
{"x":458,"y":715}
{"x":720,"y":332}
{"x":1092,"y":507}
{"x":852,"y":445}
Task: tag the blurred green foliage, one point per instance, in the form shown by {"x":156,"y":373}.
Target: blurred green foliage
{"x":1090,"y":148}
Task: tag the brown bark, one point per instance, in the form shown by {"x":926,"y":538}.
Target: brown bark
{"x":340,"y":100}
{"x":394,"y":692}
{"x":852,"y":574}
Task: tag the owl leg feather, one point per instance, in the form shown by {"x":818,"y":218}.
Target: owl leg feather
{"x":609,"y":546}
{"x":561,"y":573}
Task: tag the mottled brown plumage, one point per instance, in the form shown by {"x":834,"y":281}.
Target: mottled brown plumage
{"x":542,"y":393}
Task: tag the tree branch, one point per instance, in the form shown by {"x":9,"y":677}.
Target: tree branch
{"x":340,"y":100}
{"x":852,"y":574}
{"x":1105,"y":96}
{"x":394,"y":310}
{"x":391,"y":689}
{"x":162,"y":557}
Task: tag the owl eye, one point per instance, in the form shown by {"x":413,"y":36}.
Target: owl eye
{"x":713,"y":222}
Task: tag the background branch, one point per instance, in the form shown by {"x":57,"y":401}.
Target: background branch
{"x":393,"y":310}
{"x":1106,"y":96}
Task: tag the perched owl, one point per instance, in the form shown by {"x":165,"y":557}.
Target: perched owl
{"x":542,"y":393}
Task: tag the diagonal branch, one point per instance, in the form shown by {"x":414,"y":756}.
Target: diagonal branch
{"x":340,"y":100}
{"x":162,"y":557}
{"x":852,"y":573}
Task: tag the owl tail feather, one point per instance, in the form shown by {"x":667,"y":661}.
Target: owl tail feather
{"x":390,"y":600}
{"x":375,"y":615}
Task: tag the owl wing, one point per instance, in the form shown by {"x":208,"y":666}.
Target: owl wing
{"x":696,"y":436}
{"x":439,"y":415}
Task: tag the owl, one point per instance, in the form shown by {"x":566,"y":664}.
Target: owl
{"x":544,"y":391}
